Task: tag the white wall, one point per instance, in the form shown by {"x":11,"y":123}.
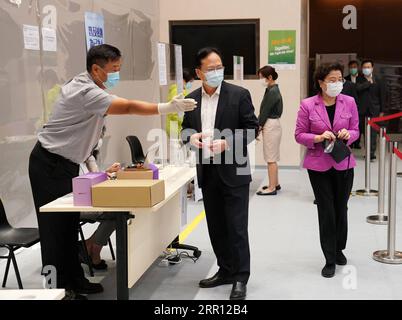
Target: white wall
{"x":273,"y":15}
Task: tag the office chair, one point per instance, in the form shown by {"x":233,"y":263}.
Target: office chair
{"x":86,"y":256}
{"x":14,"y":239}
{"x":137,"y":154}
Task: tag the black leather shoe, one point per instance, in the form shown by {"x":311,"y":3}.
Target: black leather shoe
{"x":72,"y":295}
{"x":82,"y":256}
{"x":216,"y":280}
{"x":239,"y":291}
{"x":341,"y":259}
{"x":328,"y":271}
{"x":83,"y":286}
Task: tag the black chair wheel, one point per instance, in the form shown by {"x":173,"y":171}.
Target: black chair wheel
{"x":197,"y":253}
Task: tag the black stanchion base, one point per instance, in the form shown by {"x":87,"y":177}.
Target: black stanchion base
{"x":399,"y":174}
{"x":381,"y":219}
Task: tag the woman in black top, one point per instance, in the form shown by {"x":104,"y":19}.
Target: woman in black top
{"x":270,"y":112}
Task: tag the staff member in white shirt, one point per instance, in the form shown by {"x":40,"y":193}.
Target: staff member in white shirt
{"x":68,"y":140}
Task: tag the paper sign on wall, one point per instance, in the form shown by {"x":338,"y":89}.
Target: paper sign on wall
{"x":49,"y":39}
{"x":282,"y":49}
{"x":162,"y":64}
{"x":94,"y":29}
{"x":31,"y":37}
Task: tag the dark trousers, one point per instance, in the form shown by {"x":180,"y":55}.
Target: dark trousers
{"x":332,"y":190}
{"x":373,"y":135}
{"x":226,"y":210}
{"x":51,"y":177}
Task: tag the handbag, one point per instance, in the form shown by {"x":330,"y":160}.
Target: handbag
{"x":338,"y":150}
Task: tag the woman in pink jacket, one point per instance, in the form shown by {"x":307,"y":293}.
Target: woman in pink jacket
{"x":321,"y":119}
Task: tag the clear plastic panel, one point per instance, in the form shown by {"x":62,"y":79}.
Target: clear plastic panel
{"x":31,"y":79}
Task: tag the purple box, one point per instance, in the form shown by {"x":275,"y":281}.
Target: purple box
{"x":155,"y":171}
{"x":82,"y":185}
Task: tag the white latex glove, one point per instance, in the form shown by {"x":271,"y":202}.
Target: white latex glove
{"x":178,"y":104}
{"x":91,"y":164}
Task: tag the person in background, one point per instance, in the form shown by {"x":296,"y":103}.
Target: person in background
{"x":270,"y":112}
{"x":107,"y":225}
{"x":328,"y":116}
{"x":66,"y":141}
{"x":349,"y":89}
{"x":174,"y":120}
{"x":371,"y":93}
{"x":353,"y":71}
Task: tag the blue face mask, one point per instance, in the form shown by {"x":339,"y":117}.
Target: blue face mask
{"x":113,"y":79}
{"x":214,"y":78}
{"x":367,"y":71}
{"x":188,"y":86}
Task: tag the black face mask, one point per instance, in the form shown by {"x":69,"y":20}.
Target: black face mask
{"x":338,"y":150}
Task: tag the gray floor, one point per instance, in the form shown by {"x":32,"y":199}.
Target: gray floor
{"x":286,"y":256}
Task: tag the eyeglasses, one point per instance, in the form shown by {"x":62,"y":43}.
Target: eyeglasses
{"x":213,"y":69}
{"x":336,"y":80}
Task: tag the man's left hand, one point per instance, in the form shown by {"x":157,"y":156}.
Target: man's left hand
{"x":219,"y":146}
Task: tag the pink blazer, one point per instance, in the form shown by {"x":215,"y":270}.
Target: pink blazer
{"x":312,"y":120}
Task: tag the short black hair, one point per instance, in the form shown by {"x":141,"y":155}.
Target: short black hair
{"x":353,"y":62}
{"x":368,"y":61}
{"x":205,"y":52}
{"x":101,"y":55}
{"x":267,"y":71}
{"x":323,"y":70}
{"x":187,"y":75}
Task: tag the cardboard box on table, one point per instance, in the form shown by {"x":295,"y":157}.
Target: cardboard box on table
{"x":128,"y":193}
{"x":139,"y":173}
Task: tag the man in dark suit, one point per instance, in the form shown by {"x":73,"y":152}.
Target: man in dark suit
{"x":220,"y":131}
{"x":349,"y":88}
{"x":371,"y":94}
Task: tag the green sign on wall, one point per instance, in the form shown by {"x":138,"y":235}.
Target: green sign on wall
{"x":282,"y":49}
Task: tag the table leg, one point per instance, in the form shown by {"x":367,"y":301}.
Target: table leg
{"x":121,"y":255}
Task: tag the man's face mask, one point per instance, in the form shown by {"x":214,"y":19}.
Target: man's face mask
{"x":214,"y":78}
{"x":113,"y":79}
{"x":367,"y":71}
{"x":353,"y":71}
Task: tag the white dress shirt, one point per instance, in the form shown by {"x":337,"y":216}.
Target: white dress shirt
{"x":353,"y":78}
{"x":209,"y":105}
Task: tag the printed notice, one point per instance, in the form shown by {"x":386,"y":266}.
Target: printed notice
{"x":162,"y":64}
{"x":49,"y":39}
{"x":31,"y":37}
{"x":94,"y":29}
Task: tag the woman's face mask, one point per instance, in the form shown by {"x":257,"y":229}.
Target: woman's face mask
{"x":334,"y":89}
{"x":263,"y":82}
{"x":188,"y":86}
